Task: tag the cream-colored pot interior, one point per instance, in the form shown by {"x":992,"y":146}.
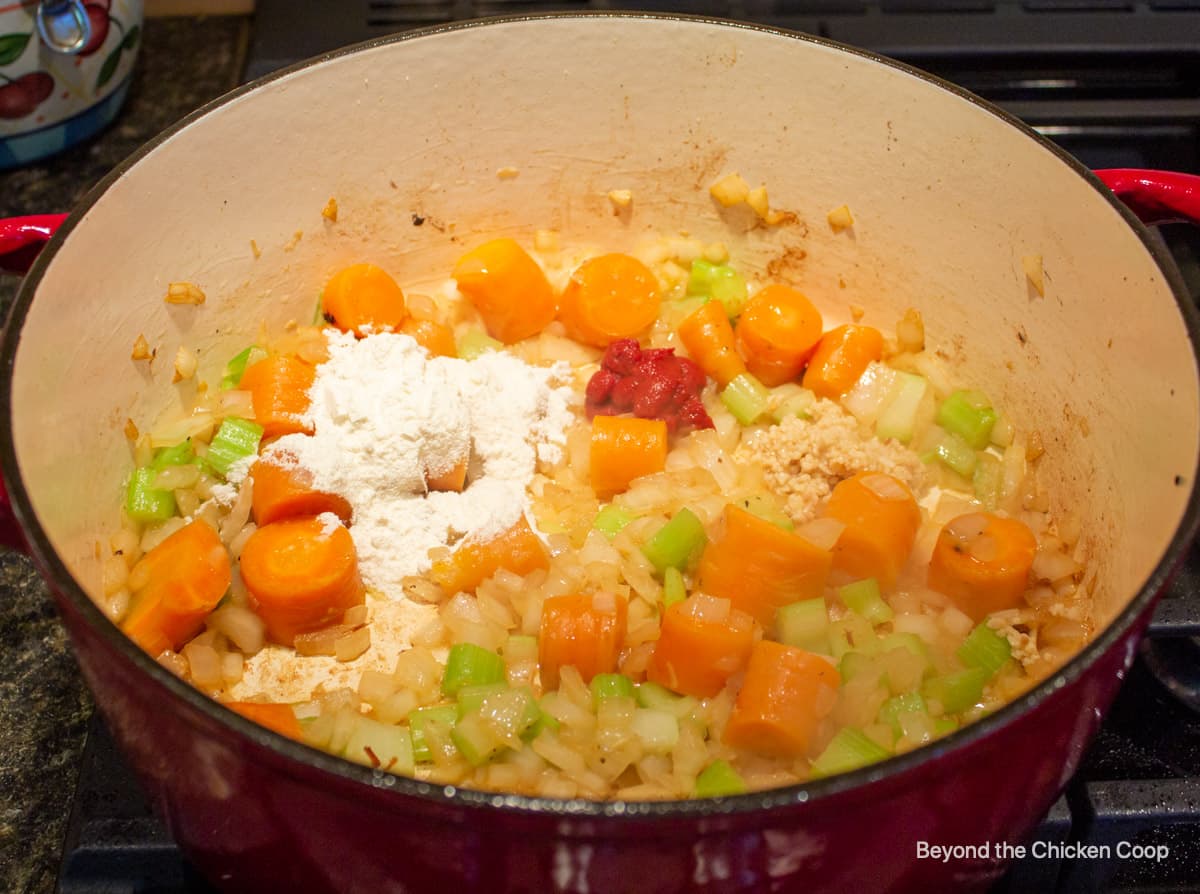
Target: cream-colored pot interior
{"x":522,"y":125}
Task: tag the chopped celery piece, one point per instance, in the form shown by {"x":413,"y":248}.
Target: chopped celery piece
{"x":955,"y":453}
{"x":803,"y":624}
{"x":790,"y":400}
{"x":909,"y":702}
{"x":944,"y":725}
{"x":765,"y":506}
{"x":717,"y":780}
{"x":853,"y":664}
{"x":957,"y":691}
{"x":471,"y":665}
{"x":509,"y":713}
{"x":969,"y":415}
{"x":235,"y":440}
{"x":144,"y":502}
{"x":381,"y":745}
{"x":898,"y":417}
{"x":909,"y":641}
{"x":545,"y":721}
{"x":985,"y":648}
{"x":611,"y":519}
{"x":474,"y":740}
{"x":609,"y":685}
{"x":475,"y":342}
{"x":853,"y":633}
{"x":660,"y":698}
{"x":179,"y":455}
{"x":848,"y":750}
{"x":675,"y":312}
{"x":674,"y":589}
{"x":519,"y":647}
{"x":989,"y":475}
{"x":746,"y":398}
{"x":232,"y":376}
{"x":470,"y":698}
{"x":863,"y":597}
{"x":719,"y":282}
{"x":444,"y":716}
{"x":657,"y":730}
{"x":677,"y":542}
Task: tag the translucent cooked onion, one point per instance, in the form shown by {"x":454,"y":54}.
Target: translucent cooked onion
{"x":865,"y":399}
{"x":204,"y":664}
{"x":155,"y":535}
{"x":243,"y":627}
{"x":885,"y":487}
{"x":1054,"y":566}
{"x":319,"y":642}
{"x":174,"y":477}
{"x":198,"y":426}
{"x":703,"y":607}
{"x":822,"y":533}
{"x":237,"y":403}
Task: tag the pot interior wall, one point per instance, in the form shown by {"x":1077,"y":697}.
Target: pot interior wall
{"x":429,"y":144}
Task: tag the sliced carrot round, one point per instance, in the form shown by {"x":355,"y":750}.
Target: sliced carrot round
{"x":841,"y":356}
{"x":708,"y":337}
{"x":624,"y":448}
{"x":508,"y":288}
{"x":435,"y":338}
{"x":277,"y":717}
{"x":580,"y":631}
{"x":982,"y":562}
{"x":285,"y":491}
{"x":363,"y":295}
{"x":608,"y":298}
{"x":881,"y":518}
{"x":303,"y":575}
{"x":279,"y":386}
{"x":776,"y":333}
{"x":518,"y":550}
{"x":696,"y":654}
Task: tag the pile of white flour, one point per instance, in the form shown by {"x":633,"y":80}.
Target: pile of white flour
{"x":385,"y":415}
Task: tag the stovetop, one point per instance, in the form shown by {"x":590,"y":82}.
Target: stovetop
{"x":1116,"y":82}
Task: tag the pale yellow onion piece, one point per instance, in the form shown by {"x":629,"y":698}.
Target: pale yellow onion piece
{"x":822,"y":533}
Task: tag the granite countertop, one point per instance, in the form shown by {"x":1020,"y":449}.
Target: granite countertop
{"x":44,"y":707}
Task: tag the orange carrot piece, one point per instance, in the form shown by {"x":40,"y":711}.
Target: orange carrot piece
{"x":881,"y":518}
{"x":784,"y":696}
{"x":281,"y":492}
{"x":624,"y":448}
{"x":776,"y":333}
{"x":584,"y":632}
{"x":708,"y":336}
{"x":277,"y":717}
{"x":452,"y":479}
{"x":508,"y":288}
{"x":982,"y":562}
{"x":435,"y":338}
{"x":518,"y":550}
{"x":841,"y":356}
{"x":177,"y":584}
{"x":759,"y":566}
{"x":279,"y":386}
{"x":696,"y":655}
{"x":302,"y":576}
{"x":363,"y":295}
{"x":608,"y":298}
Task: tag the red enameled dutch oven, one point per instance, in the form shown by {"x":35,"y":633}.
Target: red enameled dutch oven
{"x":431,"y":141}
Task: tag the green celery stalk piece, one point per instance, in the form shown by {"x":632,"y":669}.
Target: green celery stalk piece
{"x":853,"y":633}
{"x":382,"y":746}
{"x":611,"y":685}
{"x":909,"y":702}
{"x":144,"y":502}
{"x":442,"y":715}
{"x":235,"y":440}
{"x":719,"y":282}
{"x":863,"y":597}
{"x":969,"y":415}
{"x":545,"y":721}
{"x":718,"y":780}
{"x":470,"y":665}
{"x":985,"y":648}
{"x":954,"y":453}
{"x":848,"y":750}
{"x":475,"y":342}
{"x":766,"y":507}
{"x":236,"y":367}
{"x":987,"y":479}
{"x":677,"y":542}
{"x":854,"y":663}
{"x":611,"y":519}
{"x":898,"y":417}
{"x":510,"y":712}
{"x":790,"y":399}
{"x":470,"y":698}
{"x":803,"y":624}
{"x":958,"y":690}
{"x":746,"y":398}
{"x":474,"y":740}
{"x":909,"y":641}
{"x":179,"y":455}
{"x":674,"y":588}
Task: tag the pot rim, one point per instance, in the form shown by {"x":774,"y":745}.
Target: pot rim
{"x":287,"y":751}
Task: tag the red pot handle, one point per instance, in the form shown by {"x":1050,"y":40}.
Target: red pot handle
{"x":21,"y":238}
{"x":1157,"y":197}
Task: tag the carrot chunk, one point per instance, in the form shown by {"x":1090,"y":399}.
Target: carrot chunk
{"x":280,"y":718}
{"x":708,"y":336}
{"x":982,"y":562}
{"x":363,"y":295}
{"x":776,"y":333}
{"x":584,"y":632}
{"x":286,"y":491}
{"x":518,"y":550}
{"x":759,"y":566}
{"x":702,"y":644}
{"x":175,"y":586}
{"x":608,"y":298}
{"x":784,"y":696}
{"x":435,"y":338}
{"x":881,"y":518}
{"x":302,"y":574}
{"x":452,"y":479}
{"x":841,"y":356}
{"x":625,"y":448}
{"x":279,"y":387}
{"x":508,"y":288}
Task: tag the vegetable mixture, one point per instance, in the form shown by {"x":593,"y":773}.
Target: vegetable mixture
{"x":769,"y":550}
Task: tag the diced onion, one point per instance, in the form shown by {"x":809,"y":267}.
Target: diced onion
{"x":243,"y":627}
{"x":168,"y":434}
{"x":885,"y":487}
{"x":204,"y":664}
{"x":175,"y":477}
{"x":157,"y":534}
{"x":866,"y":398}
{"x":703,"y":607}
{"x":822,"y":533}
{"x":1054,"y":566}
